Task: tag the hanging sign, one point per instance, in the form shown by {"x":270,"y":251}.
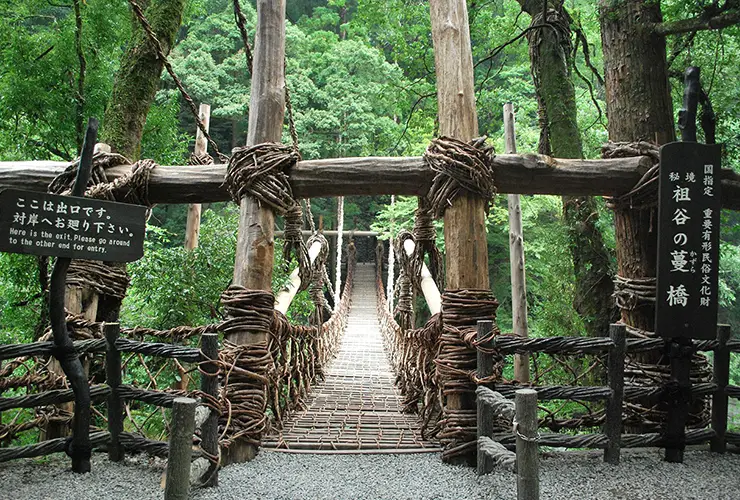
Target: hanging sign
{"x":688,"y":240}
{"x":66,"y":226}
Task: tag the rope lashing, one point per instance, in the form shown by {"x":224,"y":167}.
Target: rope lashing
{"x":261,"y":171}
{"x":319,"y":278}
{"x":456,"y":363}
{"x":631,"y":293}
{"x":246,"y":368}
{"x":425,"y":235}
{"x":408,"y":277}
{"x":204,"y":159}
{"x":134,"y":185}
{"x":295,"y":246}
{"x":103,"y":278}
{"x":459,"y":168}
{"x":645,"y":193}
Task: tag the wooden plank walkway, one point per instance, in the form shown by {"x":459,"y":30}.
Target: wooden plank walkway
{"x":357,"y":408}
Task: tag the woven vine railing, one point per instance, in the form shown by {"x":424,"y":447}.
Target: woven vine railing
{"x":297,"y":359}
{"x":569,"y":375}
{"x":618,"y":394}
{"x":301,"y":353}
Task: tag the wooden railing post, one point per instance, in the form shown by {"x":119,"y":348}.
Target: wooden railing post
{"x":113,"y":376}
{"x":209,"y":385}
{"x":485,"y":415}
{"x":721,"y":377}
{"x":527,"y":449}
{"x":177,"y":486}
{"x":615,"y":376}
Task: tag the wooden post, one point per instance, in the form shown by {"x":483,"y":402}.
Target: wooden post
{"x":285,"y":298}
{"x":192,"y":229}
{"x":177,"y":486}
{"x":516,"y":257}
{"x":255,"y":246}
{"x":485,"y":415}
{"x":680,"y":351}
{"x":719,"y":398}
{"x":465,"y":220}
{"x":615,"y":375}
{"x":338,"y":267}
{"x":527,"y":459}
{"x":209,"y":385}
{"x":428,"y":285}
{"x":391,"y":264}
{"x":113,"y":377}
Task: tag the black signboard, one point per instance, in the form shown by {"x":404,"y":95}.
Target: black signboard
{"x":67,"y":226}
{"x":688,"y":240}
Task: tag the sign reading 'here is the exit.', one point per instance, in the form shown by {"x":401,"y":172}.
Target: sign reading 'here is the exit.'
{"x":67,"y":226}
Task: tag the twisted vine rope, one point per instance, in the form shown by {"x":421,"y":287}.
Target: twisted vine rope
{"x":294,"y":245}
{"x":408,"y":278}
{"x":261,"y":171}
{"x":425,"y":236}
{"x":459,"y":168}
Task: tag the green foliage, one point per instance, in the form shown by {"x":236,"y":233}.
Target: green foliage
{"x":171,"y":286}
{"x":39,"y":71}
{"x":20,"y":298}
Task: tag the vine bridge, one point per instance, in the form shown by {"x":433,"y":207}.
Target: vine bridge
{"x":356,"y":408}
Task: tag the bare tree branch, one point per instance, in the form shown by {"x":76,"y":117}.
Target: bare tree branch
{"x":699,"y":23}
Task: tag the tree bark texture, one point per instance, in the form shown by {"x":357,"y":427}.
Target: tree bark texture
{"x":639,"y":108}
{"x":551,"y":56}
{"x":466,"y":246}
{"x":138,"y":78}
{"x":255,"y":245}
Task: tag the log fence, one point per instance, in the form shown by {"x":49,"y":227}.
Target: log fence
{"x":494,"y":403}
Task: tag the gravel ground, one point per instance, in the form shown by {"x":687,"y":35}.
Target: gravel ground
{"x":642,"y":475}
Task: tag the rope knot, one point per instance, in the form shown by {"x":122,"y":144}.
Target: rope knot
{"x":261,"y":171}
{"x":460,"y":168}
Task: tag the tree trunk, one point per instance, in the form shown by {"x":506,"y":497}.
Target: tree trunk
{"x":551,"y":57}
{"x":138,"y":78}
{"x":639,"y":108}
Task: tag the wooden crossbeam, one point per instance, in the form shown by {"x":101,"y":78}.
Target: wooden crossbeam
{"x":374,"y":175}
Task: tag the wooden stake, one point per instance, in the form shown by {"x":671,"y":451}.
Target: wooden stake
{"x":391,"y":264}
{"x":177,"y":486}
{"x":719,"y":398}
{"x":464,"y":221}
{"x":209,"y":385}
{"x":255,"y":246}
{"x":113,"y":378}
{"x":338,"y":266}
{"x":192,"y":229}
{"x":527,"y":450}
{"x":516,"y":258}
{"x":486,"y":417}
{"x":615,"y":374}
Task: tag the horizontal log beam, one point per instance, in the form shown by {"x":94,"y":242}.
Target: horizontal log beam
{"x":375,"y":175}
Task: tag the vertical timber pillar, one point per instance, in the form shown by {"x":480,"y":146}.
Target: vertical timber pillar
{"x":516,"y":257}
{"x":255,"y":245}
{"x":465,"y":220}
{"x":192,"y":228}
